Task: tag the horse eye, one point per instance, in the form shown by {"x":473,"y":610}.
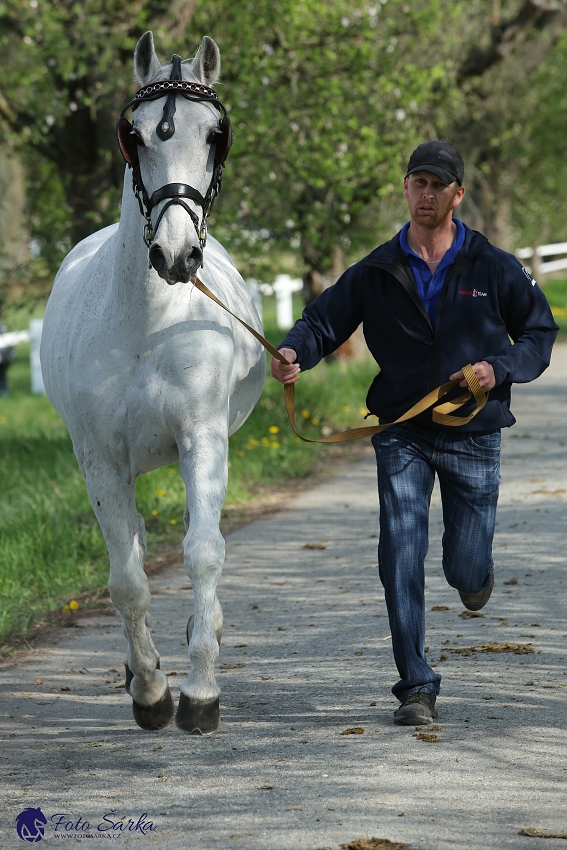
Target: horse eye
{"x":213,"y":135}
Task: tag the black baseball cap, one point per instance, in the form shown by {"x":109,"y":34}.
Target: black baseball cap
{"x":440,"y":158}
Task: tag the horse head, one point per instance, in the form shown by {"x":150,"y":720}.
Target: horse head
{"x":176,"y":146}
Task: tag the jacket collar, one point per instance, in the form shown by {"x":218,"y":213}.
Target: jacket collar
{"x":389,"y":252}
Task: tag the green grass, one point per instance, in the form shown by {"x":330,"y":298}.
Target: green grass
{"x":556,"y":293}
{"x":51,"y":548}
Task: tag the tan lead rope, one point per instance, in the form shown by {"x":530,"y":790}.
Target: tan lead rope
{"x":440,"y":414}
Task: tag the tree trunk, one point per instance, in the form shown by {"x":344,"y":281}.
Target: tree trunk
{"x":314,"y":283}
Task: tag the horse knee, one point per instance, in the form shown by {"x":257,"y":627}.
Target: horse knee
{"x":131,"y":597}
{"x":204,"y":555}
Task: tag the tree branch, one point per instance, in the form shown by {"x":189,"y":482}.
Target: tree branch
{"x":548,"y":15}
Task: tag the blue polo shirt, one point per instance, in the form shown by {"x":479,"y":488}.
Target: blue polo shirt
{"x":429,"y":285}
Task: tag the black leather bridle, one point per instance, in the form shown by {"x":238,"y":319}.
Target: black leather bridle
{"x":165,"y":130}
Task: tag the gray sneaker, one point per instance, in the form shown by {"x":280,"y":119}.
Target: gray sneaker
{"x":476,"y":601}
{"x":417,"y":710}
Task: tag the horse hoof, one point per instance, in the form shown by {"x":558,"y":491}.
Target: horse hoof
{"x":156,"y":716}
{"x":130,"y":676}
{"x":197,"y":718}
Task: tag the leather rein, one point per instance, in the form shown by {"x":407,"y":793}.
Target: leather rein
{"x":174,"y":192}
{"x":441,"y":413}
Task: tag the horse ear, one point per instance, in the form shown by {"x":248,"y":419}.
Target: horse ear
{"x":146,"y":62}
{"x":206,"y":64}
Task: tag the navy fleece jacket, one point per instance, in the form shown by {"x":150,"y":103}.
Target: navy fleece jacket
{"x":490,"y":309}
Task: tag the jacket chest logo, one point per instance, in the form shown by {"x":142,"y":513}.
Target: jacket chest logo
{"x":476,"y":293}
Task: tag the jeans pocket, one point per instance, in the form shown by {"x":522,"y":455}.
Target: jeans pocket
{"x":488,"y":441}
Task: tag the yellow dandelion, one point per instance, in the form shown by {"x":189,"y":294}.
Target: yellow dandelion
{"x":265,"y":441}
{"x":173,"y":521}
{"x":73,"y":604}
{"x":296,"y":440}
{"x":346,"y":408}
{"x":363,"y":411}
{"x":155,"y":513}
{"x":273,"y":429}
{"x":274,"y":445}
{"x":305,"y":414}
{"x":315,"y":421}
{"x":65,"y":609}
{"x":161,"y":492}
{"x":240,"y":453}
{"x":253,"y":443}
{"x":229,"y":463}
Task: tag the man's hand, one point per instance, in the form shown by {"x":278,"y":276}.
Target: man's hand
{"x":285,"y":373}
{"x":484,"y":373}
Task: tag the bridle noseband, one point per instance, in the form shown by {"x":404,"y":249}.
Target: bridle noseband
{"x":165,"y":130}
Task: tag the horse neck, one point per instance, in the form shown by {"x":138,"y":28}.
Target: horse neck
{"x":133,"y":281}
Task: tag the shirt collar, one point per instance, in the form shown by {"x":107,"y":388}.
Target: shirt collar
{"x":449,"y":255}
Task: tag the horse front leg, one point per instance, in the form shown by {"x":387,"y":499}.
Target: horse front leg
{"x":204,"y":470}
{"x":113,"y":501}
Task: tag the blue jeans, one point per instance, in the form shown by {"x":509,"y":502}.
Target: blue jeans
{"x":468,"y":467}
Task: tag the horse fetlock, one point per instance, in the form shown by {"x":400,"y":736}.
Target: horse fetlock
{"x":148,"y":689}
{"x":200,"y":689}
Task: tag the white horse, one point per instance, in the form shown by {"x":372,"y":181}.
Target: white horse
{"x":145,"y":370}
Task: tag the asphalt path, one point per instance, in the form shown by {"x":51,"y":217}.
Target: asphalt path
{"x":306,"y":656}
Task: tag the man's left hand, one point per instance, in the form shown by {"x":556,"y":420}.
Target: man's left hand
{"x":484,"y":373}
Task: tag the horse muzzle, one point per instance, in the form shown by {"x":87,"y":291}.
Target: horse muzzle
{"x":178,"y":269}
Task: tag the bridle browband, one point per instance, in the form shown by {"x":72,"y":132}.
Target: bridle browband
{"x":165,"y":130}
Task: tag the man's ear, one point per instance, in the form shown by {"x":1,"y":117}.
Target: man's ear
{"x":459,"y":196}
{"x":406,"y":181}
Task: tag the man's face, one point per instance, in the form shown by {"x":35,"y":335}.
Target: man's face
{"x":430,"y":200}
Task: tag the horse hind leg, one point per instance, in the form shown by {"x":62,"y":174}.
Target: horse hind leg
{"x":113,"y":502}
{"x":219,"y":620}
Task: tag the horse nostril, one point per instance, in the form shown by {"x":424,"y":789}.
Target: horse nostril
{"x":157,"y":259}
{"x":193,"y":259}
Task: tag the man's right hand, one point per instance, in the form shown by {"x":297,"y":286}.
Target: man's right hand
{"x":285,"y":373}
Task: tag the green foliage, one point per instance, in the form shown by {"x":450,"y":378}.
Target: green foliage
{"x":65,"y":69}
{"x":327,"y":99}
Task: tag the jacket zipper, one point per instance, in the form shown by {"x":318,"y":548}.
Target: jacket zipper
{"x":458,"y":265}
{"x":398,"y":271}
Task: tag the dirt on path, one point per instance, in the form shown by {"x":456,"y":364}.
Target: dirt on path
{"x":306,"y":658}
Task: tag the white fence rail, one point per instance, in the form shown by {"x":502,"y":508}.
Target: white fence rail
{"x":33,"y":336}
{"x":283,"y":288}
{"x":539,"y":266}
